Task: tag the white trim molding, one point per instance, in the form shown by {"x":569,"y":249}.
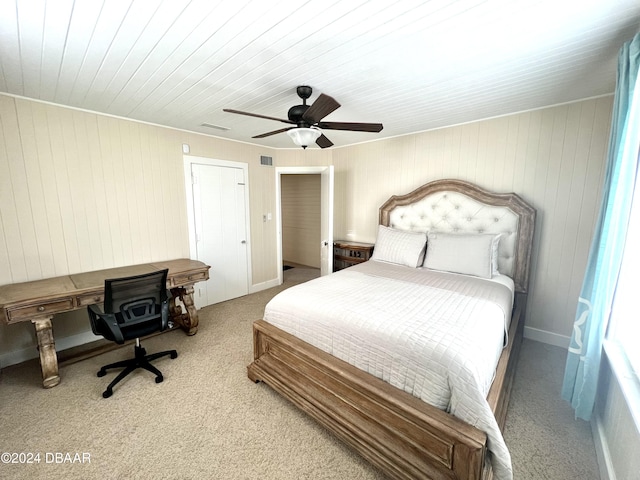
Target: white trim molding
{"x":547,"y":337}
{"x":63,"y":343}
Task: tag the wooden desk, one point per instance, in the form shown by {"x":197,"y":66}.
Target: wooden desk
{"x":40,"y":300}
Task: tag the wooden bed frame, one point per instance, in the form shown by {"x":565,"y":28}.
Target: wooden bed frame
{"x":400,"y":434}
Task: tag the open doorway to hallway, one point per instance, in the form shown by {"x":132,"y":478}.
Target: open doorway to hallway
{"x":301,"y":220}
{"x":325,"y":243}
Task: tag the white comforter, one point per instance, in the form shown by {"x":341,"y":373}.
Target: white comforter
{"x":435,"y":335}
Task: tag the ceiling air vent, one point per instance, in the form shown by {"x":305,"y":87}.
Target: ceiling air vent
{"x":216,"y":127}
{"x":264,"y":160}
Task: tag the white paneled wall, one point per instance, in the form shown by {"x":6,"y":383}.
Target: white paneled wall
{"x":554,"y":158}
{"x":85,"y":192}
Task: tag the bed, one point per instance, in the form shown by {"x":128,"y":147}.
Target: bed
{"x":375,"y":401}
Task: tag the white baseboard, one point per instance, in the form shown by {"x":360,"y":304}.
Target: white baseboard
{"x":258,"y":287}
{"x":547,"y":337}
{"x":603,"y":456}
{"x":18,"y":356}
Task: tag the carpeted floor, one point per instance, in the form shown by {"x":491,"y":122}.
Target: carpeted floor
{"x":207,"y":420}
{"x":545,"y":440}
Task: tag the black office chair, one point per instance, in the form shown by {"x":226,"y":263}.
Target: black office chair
{"x":133,"y":307}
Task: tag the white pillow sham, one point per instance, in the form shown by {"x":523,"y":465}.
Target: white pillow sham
{"x":400,"y":246}
{"x":469,"y":254}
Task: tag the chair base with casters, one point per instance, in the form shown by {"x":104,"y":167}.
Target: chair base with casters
{"x":141,"y":360}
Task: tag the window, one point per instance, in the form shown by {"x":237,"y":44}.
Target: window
{"x":624,"y":321}
{"x":624,"y":329}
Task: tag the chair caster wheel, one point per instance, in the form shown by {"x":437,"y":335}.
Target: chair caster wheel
{"x":174,"y":355}
{"x":101,"y":373}
{"x":159,"y":379}
{"x":107,"y":393}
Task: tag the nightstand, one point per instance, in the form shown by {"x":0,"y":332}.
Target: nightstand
{"x":347,"y":253}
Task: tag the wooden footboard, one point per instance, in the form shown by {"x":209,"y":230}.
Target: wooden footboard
{"x":403,"y":436}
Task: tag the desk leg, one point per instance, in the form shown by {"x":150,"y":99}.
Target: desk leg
{"x":188,"y":321}
{"x":47,"y":349}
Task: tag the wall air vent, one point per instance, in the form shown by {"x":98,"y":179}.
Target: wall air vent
{"x":264,"y":160}
{"x":216,"y":127}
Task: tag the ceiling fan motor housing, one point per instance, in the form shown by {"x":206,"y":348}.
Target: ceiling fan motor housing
{"x":295,"y":115}
{"x":297,"y":111}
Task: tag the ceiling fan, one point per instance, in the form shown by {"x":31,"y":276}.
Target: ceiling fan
{"x":307,"y":120}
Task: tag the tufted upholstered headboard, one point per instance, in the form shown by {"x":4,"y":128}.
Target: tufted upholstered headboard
{"x":462,"y":207}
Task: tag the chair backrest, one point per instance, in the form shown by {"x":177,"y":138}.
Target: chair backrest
{"x":146,"y":293}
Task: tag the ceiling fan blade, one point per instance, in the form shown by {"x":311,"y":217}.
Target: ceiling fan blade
{"x":324,"y":142}
{"x":257,"y":115}
{"x":268,"y":134}
{"x":322,"y":107}
{"x":354,"y":127}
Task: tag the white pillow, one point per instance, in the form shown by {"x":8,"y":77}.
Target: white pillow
{"x":399,"y":246}
{"x":469,"y":254}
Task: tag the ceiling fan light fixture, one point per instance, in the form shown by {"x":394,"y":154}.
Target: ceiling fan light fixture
{"x":303,"y":137}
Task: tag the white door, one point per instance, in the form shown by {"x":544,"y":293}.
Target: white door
{"x":326,"y":222}
{"x":220,"y":224}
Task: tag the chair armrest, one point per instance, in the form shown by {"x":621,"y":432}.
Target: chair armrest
{"x":107,"y":320}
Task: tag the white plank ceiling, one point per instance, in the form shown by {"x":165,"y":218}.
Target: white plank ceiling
{"x":412,"y":65}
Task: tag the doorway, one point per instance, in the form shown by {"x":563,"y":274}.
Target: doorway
{"x":325,"y":243}
{"x":300,"y":204}
{"x":217,"y":202}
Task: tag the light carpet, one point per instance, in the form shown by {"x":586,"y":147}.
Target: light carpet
{"x":208,"y":420}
